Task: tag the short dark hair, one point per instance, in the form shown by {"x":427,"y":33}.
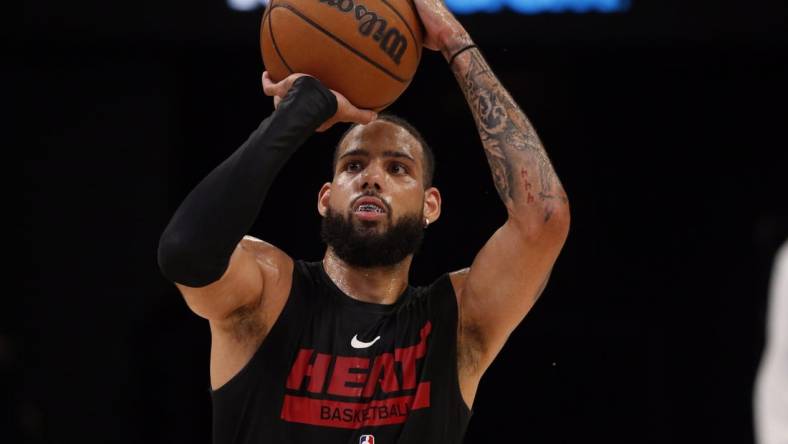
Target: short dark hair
{"x":428,"y":156}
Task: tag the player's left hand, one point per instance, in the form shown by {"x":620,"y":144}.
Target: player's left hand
{"x":346,"y":111}
{"x":443,"y":29}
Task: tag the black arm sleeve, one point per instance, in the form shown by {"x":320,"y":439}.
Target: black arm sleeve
{"x":196,"y":246}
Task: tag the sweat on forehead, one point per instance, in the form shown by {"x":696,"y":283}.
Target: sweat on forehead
{"x":401,"y":133}
{"x":390,"y":135}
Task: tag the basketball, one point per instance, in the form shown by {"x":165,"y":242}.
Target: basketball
{"x":367,"y":50}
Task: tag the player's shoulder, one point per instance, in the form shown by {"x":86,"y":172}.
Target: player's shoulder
{"x":448,"y":284}
{"x":272,"y":259}
{"x":253,"y":244}
{"x":458,"y":279}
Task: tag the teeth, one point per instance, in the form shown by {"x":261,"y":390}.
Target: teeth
{"x":370,"y":207}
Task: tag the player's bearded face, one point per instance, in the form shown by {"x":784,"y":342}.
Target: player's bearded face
{"x":364,"y":244}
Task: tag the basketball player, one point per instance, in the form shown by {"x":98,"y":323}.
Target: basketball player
{"x":345,"y":350}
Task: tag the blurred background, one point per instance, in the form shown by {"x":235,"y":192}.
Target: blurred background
{"x":665,"y":121}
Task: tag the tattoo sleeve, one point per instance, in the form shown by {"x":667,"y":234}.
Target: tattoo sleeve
{"x":521,"y":170}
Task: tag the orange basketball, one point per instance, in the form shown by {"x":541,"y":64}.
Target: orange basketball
{"x":368,"y":50}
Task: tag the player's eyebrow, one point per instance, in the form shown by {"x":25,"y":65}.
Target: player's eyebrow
{"x":355,"y":152}
{"x":387,"y":153}
{"x":399,"y":154}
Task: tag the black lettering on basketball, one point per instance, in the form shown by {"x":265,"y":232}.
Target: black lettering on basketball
{"x":394,"y":44}
{"x":368,"y":21}
{"x":342,"y":5}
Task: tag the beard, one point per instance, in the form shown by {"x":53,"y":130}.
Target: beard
{"x":364,"y":247}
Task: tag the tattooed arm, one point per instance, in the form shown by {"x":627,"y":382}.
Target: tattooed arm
{"x":510,"y":272}
{"x":523,"y":175}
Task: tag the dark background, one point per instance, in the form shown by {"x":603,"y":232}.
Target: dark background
{"x":665,"y":123}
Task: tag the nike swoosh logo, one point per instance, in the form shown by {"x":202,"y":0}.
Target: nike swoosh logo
{"x":355,"y":343}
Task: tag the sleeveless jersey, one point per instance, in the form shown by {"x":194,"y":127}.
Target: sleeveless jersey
{"x":336,"y":370}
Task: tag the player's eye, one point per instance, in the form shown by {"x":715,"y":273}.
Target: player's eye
{"x":353,"y":166}
{"x":398,"y":168}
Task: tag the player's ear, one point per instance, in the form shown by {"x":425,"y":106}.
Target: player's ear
{"x":432,"y":204}
{"x":322,"y":198}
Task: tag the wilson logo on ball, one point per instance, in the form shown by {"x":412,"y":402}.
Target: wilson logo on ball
{"x":392,"y":42}
{"x":367,"y":50}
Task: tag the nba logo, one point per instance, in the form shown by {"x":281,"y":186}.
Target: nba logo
{"x":366,"y":439}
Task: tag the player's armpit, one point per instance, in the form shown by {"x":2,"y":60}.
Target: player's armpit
{"x":507,"y":276}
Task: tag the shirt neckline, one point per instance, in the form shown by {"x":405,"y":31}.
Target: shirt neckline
{"x":346,"y":299}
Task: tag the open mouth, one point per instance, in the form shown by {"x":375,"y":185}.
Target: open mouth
{"x":369,"y":208}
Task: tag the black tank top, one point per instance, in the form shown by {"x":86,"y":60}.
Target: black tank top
{"x":335,"y":370}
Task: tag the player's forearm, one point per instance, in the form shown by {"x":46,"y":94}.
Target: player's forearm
{"x":196,"y":246}
{"x":521,"y":169}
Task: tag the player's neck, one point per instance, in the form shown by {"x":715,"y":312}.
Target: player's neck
{"x":380,"y":285}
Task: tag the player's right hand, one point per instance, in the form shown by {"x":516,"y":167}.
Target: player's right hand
{"x":346,"y":112}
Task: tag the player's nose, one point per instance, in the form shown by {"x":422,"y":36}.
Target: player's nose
{"x":372,"y":177}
